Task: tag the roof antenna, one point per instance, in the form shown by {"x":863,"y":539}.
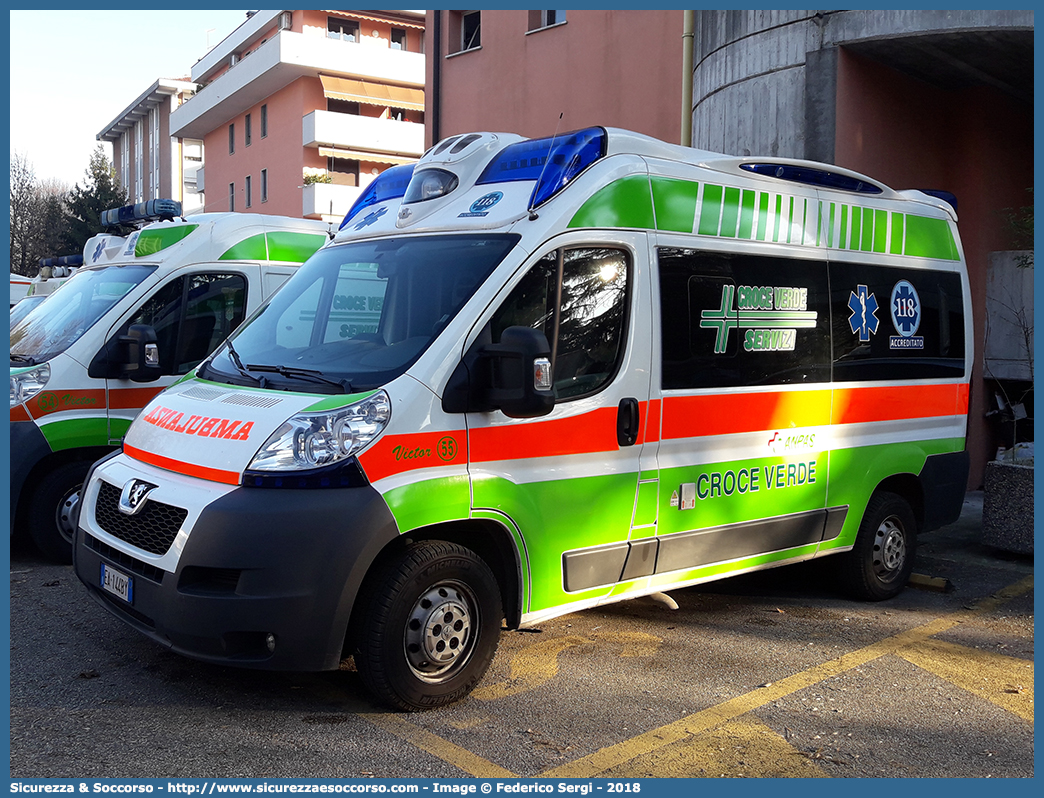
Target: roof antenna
{"x":550,"y":152}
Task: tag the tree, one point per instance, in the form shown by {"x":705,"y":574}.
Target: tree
{"x":101,"y":191}
{"x":25,"y":213}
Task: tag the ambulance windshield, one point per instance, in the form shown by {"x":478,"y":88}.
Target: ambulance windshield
{"x":358,"y":315}
{"x":55,"y":325}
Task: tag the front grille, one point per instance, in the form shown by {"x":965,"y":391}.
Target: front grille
{"x":135,"y":566}
{"x":152,"y":529}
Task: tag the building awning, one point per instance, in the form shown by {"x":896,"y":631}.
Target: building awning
{"x":359,"y":155}
{"x":397,"y":22}
{"x":363,"y":91}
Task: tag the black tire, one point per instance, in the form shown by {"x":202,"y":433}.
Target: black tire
{"x":52,"y":508}
{"x":879,"y":566}
{"x":429,"y":627}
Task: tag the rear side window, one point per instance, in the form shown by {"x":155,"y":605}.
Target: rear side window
{"x":736,"y":320}
{"x":896,"y":324}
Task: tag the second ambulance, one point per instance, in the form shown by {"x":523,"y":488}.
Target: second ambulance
{"x":530,"y":377}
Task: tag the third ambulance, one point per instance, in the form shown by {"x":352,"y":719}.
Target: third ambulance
{"x":141,"y":314}
{"x":530,"y":377}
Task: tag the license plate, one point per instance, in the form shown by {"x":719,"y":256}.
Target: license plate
{"x":116,"y":583}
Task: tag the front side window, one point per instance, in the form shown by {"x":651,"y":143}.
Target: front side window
{"x":358,"y":315}
{"x":191,"y":316}
{"x":584,"y":323}
{"x":52,"y":327}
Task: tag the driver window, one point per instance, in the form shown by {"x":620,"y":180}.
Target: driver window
{"x":586,"y":328}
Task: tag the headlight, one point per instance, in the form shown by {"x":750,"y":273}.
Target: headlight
{"x":314,"y":440}
{"x":29,"y":383}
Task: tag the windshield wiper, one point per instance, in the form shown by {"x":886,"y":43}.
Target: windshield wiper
{"x":233,"y":355}
{"x":302,"y":374}
{"x":23,"y":359}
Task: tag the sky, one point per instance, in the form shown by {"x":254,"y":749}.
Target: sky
{"x":70,"y":80}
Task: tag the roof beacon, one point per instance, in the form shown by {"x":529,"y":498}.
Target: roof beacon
{"x":154,"y":210}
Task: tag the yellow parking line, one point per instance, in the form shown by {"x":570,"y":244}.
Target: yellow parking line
{"x":612,"y":756}
{"x":531,"y":667}
{"x":1004,"y":681}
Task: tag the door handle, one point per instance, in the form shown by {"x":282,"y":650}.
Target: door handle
{"x":628,"y":419}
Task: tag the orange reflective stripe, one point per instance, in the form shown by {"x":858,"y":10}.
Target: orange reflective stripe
{"x":583,"y":434}
{"x":19,"y":413}
{"x":131,"y":398}
{"x":394,"y":454}
{"x":180,"y":467}
{"x":891,"y":403}
{"x":723,"y":414}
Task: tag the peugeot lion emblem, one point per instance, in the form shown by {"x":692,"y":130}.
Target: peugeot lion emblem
{"x":134,"y":495}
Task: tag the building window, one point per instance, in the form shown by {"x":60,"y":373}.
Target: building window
{"x":344,"y":29}
{"x":246,"y":131}
{"x":398,"y":39}
{"x":231,"y":138}
{"x":248,"y":203}
{"x":545,"y":19}
{"x":264,"y":185}
{"x":231,"y":196}
{"x":471,"y":30}
{"x":264,"y":121}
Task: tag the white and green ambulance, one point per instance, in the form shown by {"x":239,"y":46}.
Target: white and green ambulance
{"x":142,"y":313}
{"x":530,"y":377}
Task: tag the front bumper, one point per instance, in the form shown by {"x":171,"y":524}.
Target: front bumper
{"x":245,"y":563}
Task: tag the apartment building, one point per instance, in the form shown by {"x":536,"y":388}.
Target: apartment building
{"x":299,"y":110}
{"x":150,"y":162}
{"x":532,"y":72}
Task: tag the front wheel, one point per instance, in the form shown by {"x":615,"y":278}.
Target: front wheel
{"x":879,"y":565}
{"x":52,"y":510}
{"x":429,"y":627}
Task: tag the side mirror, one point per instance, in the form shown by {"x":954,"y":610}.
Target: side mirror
{"x":139,"y":354}
{"x":513,"y":376}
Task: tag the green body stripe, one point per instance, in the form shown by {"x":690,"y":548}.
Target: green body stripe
{"x":675,"y":204}
{"x":880,"y":230}
{"x":929,"y":238}
{"x":152,"y":241}
{"x":75,"y":433}
{"x":842,"y":238}
{"x":291,"y":247}
{"x":252,"y":248}
{"x":779,"y":216}
{"x":830,"y":226}
{"x":623,"y":203}
{"x":710,"y":210}
{"x":897,"y":234}
{"x":790,"y":221}
{"x":730,"y":212}
{"x":430,"y":501}
{"x":746,"y":214}
{"x":118,"y":428}
{"x":763,"y":210}
{"x":866,"y":241}
{"x":338,"y":401}
{"x":645,"y":504}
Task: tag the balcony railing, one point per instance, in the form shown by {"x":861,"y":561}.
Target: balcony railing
{"x":327,"y":200}
{"x":350,"y":132}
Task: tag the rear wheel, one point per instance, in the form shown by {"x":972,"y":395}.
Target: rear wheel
{"x":52,"y":510}
{"x":430,"y":626}
{"x":879,"y":565}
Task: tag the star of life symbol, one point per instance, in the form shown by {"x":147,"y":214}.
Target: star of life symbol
{"x":134,"y":495}
{"x":371,"y":218}
{"x":98,"y":252}
{"x":864,"y":319}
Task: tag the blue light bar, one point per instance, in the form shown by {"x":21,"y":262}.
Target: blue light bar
{"x":151,"y":211}
{"x":64,"y":260}
{"x":811,"y":177}
{"x":389,"y":184}
{"x":564,"y":157}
